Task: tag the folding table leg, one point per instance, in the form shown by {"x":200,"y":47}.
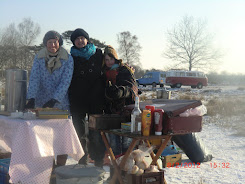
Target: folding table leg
{"x":160,"y":150}
{"x":117,"y":170}
{"x":125,"y":157}
{"x":152,"y":153}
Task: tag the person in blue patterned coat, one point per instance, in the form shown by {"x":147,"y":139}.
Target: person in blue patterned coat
{"x":50,"y":78}
{"x":51,"y":75}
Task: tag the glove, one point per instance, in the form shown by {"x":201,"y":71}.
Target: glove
{"x":50,"y":103}
{"x":30,"y":104}
{"x":113,"y":92}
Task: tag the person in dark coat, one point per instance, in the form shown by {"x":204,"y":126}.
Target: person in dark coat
{"x":86,"y":94}
{"x":121,"y":90}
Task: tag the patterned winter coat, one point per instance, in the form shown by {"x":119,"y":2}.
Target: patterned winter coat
{"x":121,"y":76}
{"x":44,"y":85}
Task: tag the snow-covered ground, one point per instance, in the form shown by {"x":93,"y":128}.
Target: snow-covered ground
{"x":228,"y":151}
{"x":227,"y":166}
{"x":225,"y":140}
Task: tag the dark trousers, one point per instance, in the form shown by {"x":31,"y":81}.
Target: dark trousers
{"x":91,"y":140}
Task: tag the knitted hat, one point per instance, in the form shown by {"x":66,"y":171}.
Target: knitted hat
{"x":79,"y":32}
{"x":111,"y":52}
{"x":52,"y":35}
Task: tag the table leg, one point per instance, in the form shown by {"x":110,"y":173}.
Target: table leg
{"x":160,"y":150}
{"x":117,"y":170}
{"x":124,"y":159}
{"x":152,"y":153}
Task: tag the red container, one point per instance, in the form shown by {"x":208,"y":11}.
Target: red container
{"x":158,"y":120}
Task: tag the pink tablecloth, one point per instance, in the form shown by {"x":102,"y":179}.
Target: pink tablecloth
{"x":34,"y":143}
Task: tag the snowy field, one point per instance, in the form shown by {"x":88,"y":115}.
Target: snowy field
{"x":224,"y":138}
{"x":228,"y":151}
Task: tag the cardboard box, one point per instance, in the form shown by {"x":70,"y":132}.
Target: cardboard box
{"x":171,"y":160}
{"x":105,"y":121}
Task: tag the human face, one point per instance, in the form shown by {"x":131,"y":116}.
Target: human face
{"x":81,"y":42}
{"x":53,"y":45}
{"x":109,"y":61}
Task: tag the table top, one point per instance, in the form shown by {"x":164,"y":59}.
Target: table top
{"x":125,"y":133}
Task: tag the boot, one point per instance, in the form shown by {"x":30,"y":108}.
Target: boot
{"x":99,"y":163}
{"x":84,"y":159}
{"x":61,"y":160}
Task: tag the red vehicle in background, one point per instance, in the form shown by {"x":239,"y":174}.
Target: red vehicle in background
{"x":178,"y":78}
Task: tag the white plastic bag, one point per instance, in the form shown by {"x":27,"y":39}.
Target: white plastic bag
{"x":197,"y":111}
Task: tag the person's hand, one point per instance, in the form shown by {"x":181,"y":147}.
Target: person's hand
{"x":113,"y":92}
{"x":50,"y":103}
{"x":130,"y":67}
{"x":30,"y":104}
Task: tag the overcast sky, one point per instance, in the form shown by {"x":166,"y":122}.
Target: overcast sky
{"x":146,"y":19}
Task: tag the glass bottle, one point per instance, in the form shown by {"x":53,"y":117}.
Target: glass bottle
{"x":136,"y":118}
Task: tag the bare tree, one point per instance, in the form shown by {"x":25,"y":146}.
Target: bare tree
{"x":190,"y":45}
{"x":28,"y":32}
{"x":10,"y":44}
{"x":15,"y":45}
{"x":129,"y":48}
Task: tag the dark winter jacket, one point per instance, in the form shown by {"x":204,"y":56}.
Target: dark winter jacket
{"x":123,"y":78}
{"x":86,"y":92}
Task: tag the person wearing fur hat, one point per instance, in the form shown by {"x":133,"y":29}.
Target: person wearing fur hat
{"x":121,"y":90}
{"x":86,"y":94}
{"x":51,"y":75}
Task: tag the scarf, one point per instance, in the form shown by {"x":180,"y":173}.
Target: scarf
{"x":115,"y":66}
{"x":85,"y":52}
{"x":53,"y":59}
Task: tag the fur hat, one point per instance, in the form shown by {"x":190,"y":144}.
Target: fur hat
{"x":52,"y":35}
{"x":79,"y":32}
{"x":111,"y":52}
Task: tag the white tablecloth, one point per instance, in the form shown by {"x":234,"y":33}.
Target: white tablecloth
{"x":34,"y":143}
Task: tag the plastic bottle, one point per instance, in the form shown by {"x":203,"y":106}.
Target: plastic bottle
{"x":146,"y":122}
{"x":136,"y":118}
{"x":152,"y":109}
{"x":158,"y":119}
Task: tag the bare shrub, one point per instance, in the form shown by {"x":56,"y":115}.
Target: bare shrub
{"x":190,"y":96}
{"x":226,"y":106}
{"x":241,"y":88}
{"x":143,"y":97}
